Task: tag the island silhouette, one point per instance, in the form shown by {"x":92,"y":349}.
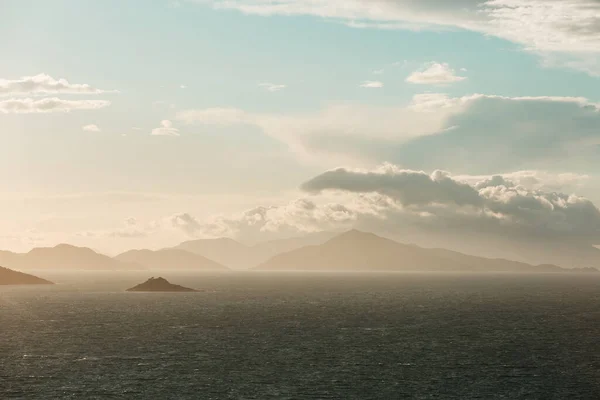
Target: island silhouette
{"x":11,"y":277}
{"x":159,"y":284}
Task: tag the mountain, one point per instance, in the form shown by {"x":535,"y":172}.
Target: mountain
{"x":237,"y":255}
{"x":360,"y":251}
{"x":64,"y":257}
{"x":170,"y":259}
{"x":527,"y":249}
{"x":224,"y":251}
{"x":10,"y":277}
{"x":159,"y":285}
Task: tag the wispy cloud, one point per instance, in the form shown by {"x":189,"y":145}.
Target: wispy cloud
{"x":566,"y":31}
{"x":49,"y":105}
{"x":42,"y":84}
{"x":372,"y":84}
{"x":433,"y":123}
{"x":272,"y":87}
{"x":91,"y":128}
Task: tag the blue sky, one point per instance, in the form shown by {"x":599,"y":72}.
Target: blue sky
{"x":508,"y":101}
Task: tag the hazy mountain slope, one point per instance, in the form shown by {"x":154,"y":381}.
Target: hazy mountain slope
{"x":492,"y":264}
{"x":237,"y":255}
{"x":10,"y":277}
{"x":170,"y":259}
{"x":356,"y":250}
{"x":530,"y":250}
{"x":64,"y":257}
{"x":224,"y":251}
{"x":360,"y":251}
{"x":273,"y":247}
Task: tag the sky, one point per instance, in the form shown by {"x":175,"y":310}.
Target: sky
{"x":140,"y":124}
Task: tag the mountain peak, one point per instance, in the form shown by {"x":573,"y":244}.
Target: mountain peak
{"x":355,"y":234}
{"x":65,"y":246}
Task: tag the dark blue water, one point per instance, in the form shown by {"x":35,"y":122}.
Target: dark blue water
{"x":293,"y":336}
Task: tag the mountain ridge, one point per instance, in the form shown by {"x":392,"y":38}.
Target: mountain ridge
{"x":64,"y":257}
{"x":355,"y":250}
{"x":234,"y":254}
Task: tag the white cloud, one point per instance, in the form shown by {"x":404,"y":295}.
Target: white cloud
{"x":49,"y":105}
{"x":435,"y":74}
{"x":182,"y":86}
{"x":551,"y":28}
{"x":372,"y":84}
{"x":91,"y":128}
{"x":44,"y":84}
{"x":378,"y":71}
{"x":272,"y":87}
{"x":166,"y":129}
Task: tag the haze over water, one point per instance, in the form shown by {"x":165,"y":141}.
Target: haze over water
{"x":304,"y":336}
{"x":240,"y":140}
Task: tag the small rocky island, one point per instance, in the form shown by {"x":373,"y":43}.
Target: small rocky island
{"x":11,"y":277}
{"x":159,"y":285}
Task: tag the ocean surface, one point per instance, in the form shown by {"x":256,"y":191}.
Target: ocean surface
{"x":304,"y":336}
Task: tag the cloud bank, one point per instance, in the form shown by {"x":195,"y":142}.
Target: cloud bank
{"x":391,"y":199}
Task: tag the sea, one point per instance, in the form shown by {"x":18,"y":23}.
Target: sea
{"x":303,"y":336}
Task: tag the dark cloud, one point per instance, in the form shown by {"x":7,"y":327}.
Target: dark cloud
{"x":441,"y":200}
{"x":409,"y":187}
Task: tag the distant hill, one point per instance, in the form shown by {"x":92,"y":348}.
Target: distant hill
{"x":64,"y":257}
{"x":159,"y":285}
{"x":10,"y":277}
{"x":237,"y":255}
{"x":360,"y":251}
{"x":170,"y":259}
